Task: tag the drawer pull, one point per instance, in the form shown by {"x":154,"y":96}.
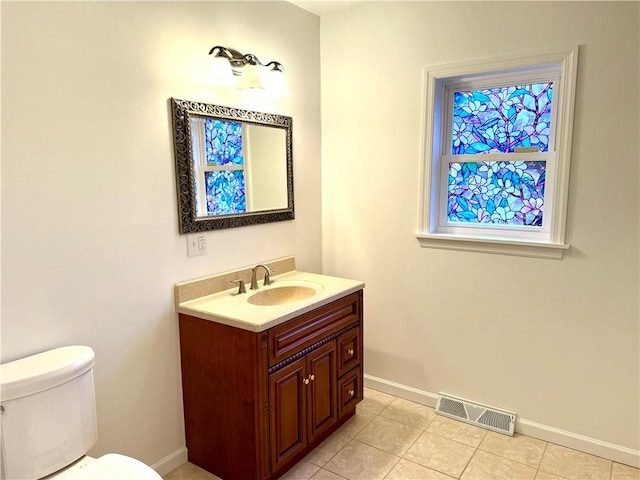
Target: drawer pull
{"x":351,"y":393}
{"x":350,"y":352}
{"x":305,"y":381}
{"x":312,"y":377}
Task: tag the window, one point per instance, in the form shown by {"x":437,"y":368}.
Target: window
{"x":219,"y":166}
{"x":497,"y":141}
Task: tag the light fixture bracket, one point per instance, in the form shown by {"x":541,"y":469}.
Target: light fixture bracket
{"x":239,"y":60}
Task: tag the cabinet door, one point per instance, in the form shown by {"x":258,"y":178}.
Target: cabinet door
{"x":288,"y":410}
{"x":322,"y":395}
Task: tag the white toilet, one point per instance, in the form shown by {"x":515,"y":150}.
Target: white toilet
{"x":49,"y":421}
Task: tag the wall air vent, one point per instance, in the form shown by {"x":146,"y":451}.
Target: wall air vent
{"x":484,"y":416}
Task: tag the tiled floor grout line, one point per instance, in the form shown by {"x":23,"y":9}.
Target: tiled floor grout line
{"x":394,"y":466}
{"x":335,"y":454}
{"x":546,"y":444}
{"x":413,"y":443}
{"x":447,"y":438}
{"x":471,"y":457}
{"x":322,"y":468}
{"x":611,"y":471}
{"x":467,"y":464}
{"x":353,"y":438}
{"x":475,"y":448}
{"x":400,"y":457}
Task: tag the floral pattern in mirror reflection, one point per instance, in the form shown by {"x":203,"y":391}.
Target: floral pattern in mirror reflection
{"x":225,"y":189}
{"x":223,"y":141}
{"x":225,"y":192}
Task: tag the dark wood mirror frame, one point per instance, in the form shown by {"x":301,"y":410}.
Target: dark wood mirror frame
{"x":189,"y":221}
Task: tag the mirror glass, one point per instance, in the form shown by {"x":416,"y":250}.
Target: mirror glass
{"x":233,"y":167}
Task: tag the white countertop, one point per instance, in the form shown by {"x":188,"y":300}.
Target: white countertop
{"x":230,"y":308}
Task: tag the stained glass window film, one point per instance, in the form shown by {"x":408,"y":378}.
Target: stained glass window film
{"x":225,"y":192}
{"x":507,"y":193}
{"x":224,"y":188}
{"x":223,"y":142}
{"x":498,"y":120}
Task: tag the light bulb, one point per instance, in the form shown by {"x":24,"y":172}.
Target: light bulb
{"x":251,"y":78}
{"x":277,"y":84}
{"x":220,"y":74}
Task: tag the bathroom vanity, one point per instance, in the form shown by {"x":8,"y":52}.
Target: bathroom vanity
{"x":265,"y":380}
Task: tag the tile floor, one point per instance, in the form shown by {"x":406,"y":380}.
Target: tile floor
{"x":392,"y":438}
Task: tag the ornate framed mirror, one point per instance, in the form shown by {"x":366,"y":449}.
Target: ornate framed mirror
{"x":234,"y":167}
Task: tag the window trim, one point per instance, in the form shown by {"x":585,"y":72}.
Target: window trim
{"x":434,"y":94}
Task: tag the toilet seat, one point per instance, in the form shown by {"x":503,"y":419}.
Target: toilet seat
{"x":111,"y":466}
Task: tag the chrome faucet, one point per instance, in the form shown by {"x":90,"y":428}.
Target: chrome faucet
{"x":254,"y":276}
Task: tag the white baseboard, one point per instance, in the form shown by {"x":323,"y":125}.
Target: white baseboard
{"x":402,"y":391}
{"x":575,"y":441}
{"x":171,"y":461}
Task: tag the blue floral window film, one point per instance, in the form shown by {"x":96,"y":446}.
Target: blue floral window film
{"x":223,"y":142}
{"x":498,"y":120}
{"x":507,"y":193}
{"x":225,"y":192}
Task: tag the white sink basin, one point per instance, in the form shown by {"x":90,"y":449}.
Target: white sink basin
{"x":291,"y":294}
{"x":280,"y":295}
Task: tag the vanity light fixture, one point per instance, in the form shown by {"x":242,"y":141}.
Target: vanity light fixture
{"x":227,"y":63}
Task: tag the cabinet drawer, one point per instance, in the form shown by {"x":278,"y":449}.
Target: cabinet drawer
{"x":349,"y":391}
{"x":295,"y":335}
{"x":349,"y":352}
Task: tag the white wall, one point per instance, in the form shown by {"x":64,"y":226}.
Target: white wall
{"x":90,"y":243}
{"x":266,"y":170}
{"x":556,"y":341}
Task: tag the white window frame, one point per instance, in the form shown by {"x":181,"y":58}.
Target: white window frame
{"x":439,"y":82}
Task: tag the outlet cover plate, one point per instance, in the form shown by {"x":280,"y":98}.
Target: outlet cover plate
{"x":196,"y":245}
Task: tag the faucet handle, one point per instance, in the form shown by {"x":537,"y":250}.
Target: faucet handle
{"x":241,"y":287}
{"x":267,"y":276}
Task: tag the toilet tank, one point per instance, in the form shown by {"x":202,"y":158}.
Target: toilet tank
{"x":48,"y":411}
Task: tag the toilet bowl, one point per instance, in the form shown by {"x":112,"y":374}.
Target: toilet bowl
{"x":49,"y":421}
{"x":111,"y":466}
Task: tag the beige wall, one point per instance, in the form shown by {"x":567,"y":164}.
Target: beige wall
{"x":90,"y":243}
{"x":556,"y":341}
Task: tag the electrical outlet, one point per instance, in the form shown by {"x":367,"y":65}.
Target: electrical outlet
{"x":196,"y":245}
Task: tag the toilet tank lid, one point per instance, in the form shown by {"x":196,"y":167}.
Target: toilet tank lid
{"x":36,"y":373}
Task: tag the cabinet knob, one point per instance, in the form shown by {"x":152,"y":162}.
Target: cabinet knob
{"x":312,"y":377}
{"x":305,"y":381}
{"x":350,"y":351}
{"x":351,"y":393}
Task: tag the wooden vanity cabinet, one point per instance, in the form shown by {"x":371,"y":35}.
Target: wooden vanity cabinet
{"x":257,"y":402}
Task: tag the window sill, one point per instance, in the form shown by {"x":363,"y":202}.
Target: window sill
{"x":492,"y":245}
